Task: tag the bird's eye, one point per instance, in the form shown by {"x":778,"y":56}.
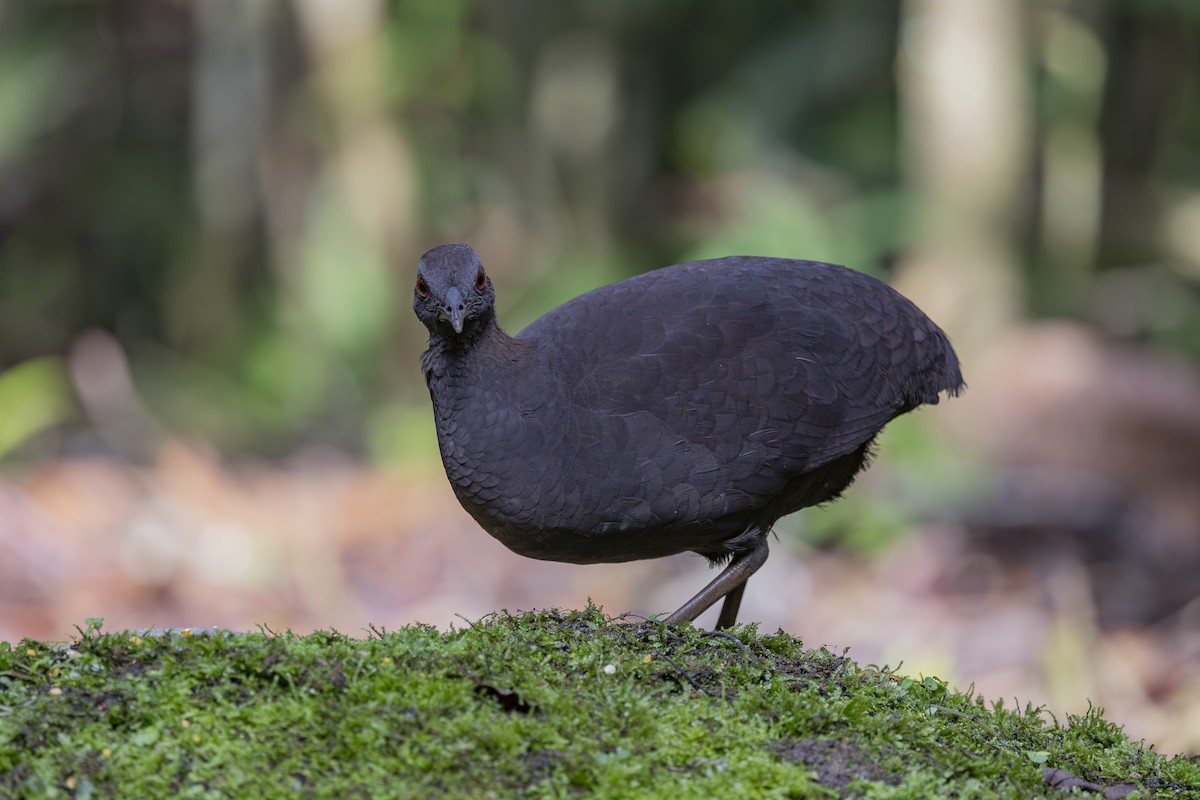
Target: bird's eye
{"x":480,"y":281}
{"x":422,"y":288}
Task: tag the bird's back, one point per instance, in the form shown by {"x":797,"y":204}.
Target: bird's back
{"x":668,"y":411}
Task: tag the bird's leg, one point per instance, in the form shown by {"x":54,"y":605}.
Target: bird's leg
{"x":729,"y":608}
{"x":730,"y":584}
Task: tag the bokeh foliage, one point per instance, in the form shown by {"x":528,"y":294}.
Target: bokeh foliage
{"x":231,"y":195}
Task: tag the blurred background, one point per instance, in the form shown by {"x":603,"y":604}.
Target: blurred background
{"x":211,"y":411}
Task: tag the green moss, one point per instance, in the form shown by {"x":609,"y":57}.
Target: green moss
{"x":545,"y":704}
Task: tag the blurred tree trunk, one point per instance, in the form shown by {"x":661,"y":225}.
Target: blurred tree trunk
{"x":1150,"y":55}
{"x":965,"y":139}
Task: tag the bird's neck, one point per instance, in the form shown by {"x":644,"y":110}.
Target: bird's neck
{"x":466,"y":376}
{"x":479,"y":349}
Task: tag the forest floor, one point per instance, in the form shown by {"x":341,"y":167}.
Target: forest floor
{"x":323,"y":543}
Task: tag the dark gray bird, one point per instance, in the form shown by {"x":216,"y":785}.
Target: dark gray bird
{"x":685,"y":409}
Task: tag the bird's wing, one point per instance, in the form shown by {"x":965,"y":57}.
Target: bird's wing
{"x":738,"y":374}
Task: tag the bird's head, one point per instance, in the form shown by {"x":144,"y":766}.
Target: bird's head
{"x":453,"y":292}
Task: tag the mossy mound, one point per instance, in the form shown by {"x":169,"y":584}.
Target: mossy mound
{"x":544,"y":704}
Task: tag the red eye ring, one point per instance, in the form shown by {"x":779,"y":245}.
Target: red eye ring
{"x":480,"y":281}
{"x":422,"y":288}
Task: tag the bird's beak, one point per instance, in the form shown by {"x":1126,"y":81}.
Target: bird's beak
{"x":454,"y":309}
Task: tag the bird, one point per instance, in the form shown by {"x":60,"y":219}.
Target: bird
{"x":685,"y":409}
